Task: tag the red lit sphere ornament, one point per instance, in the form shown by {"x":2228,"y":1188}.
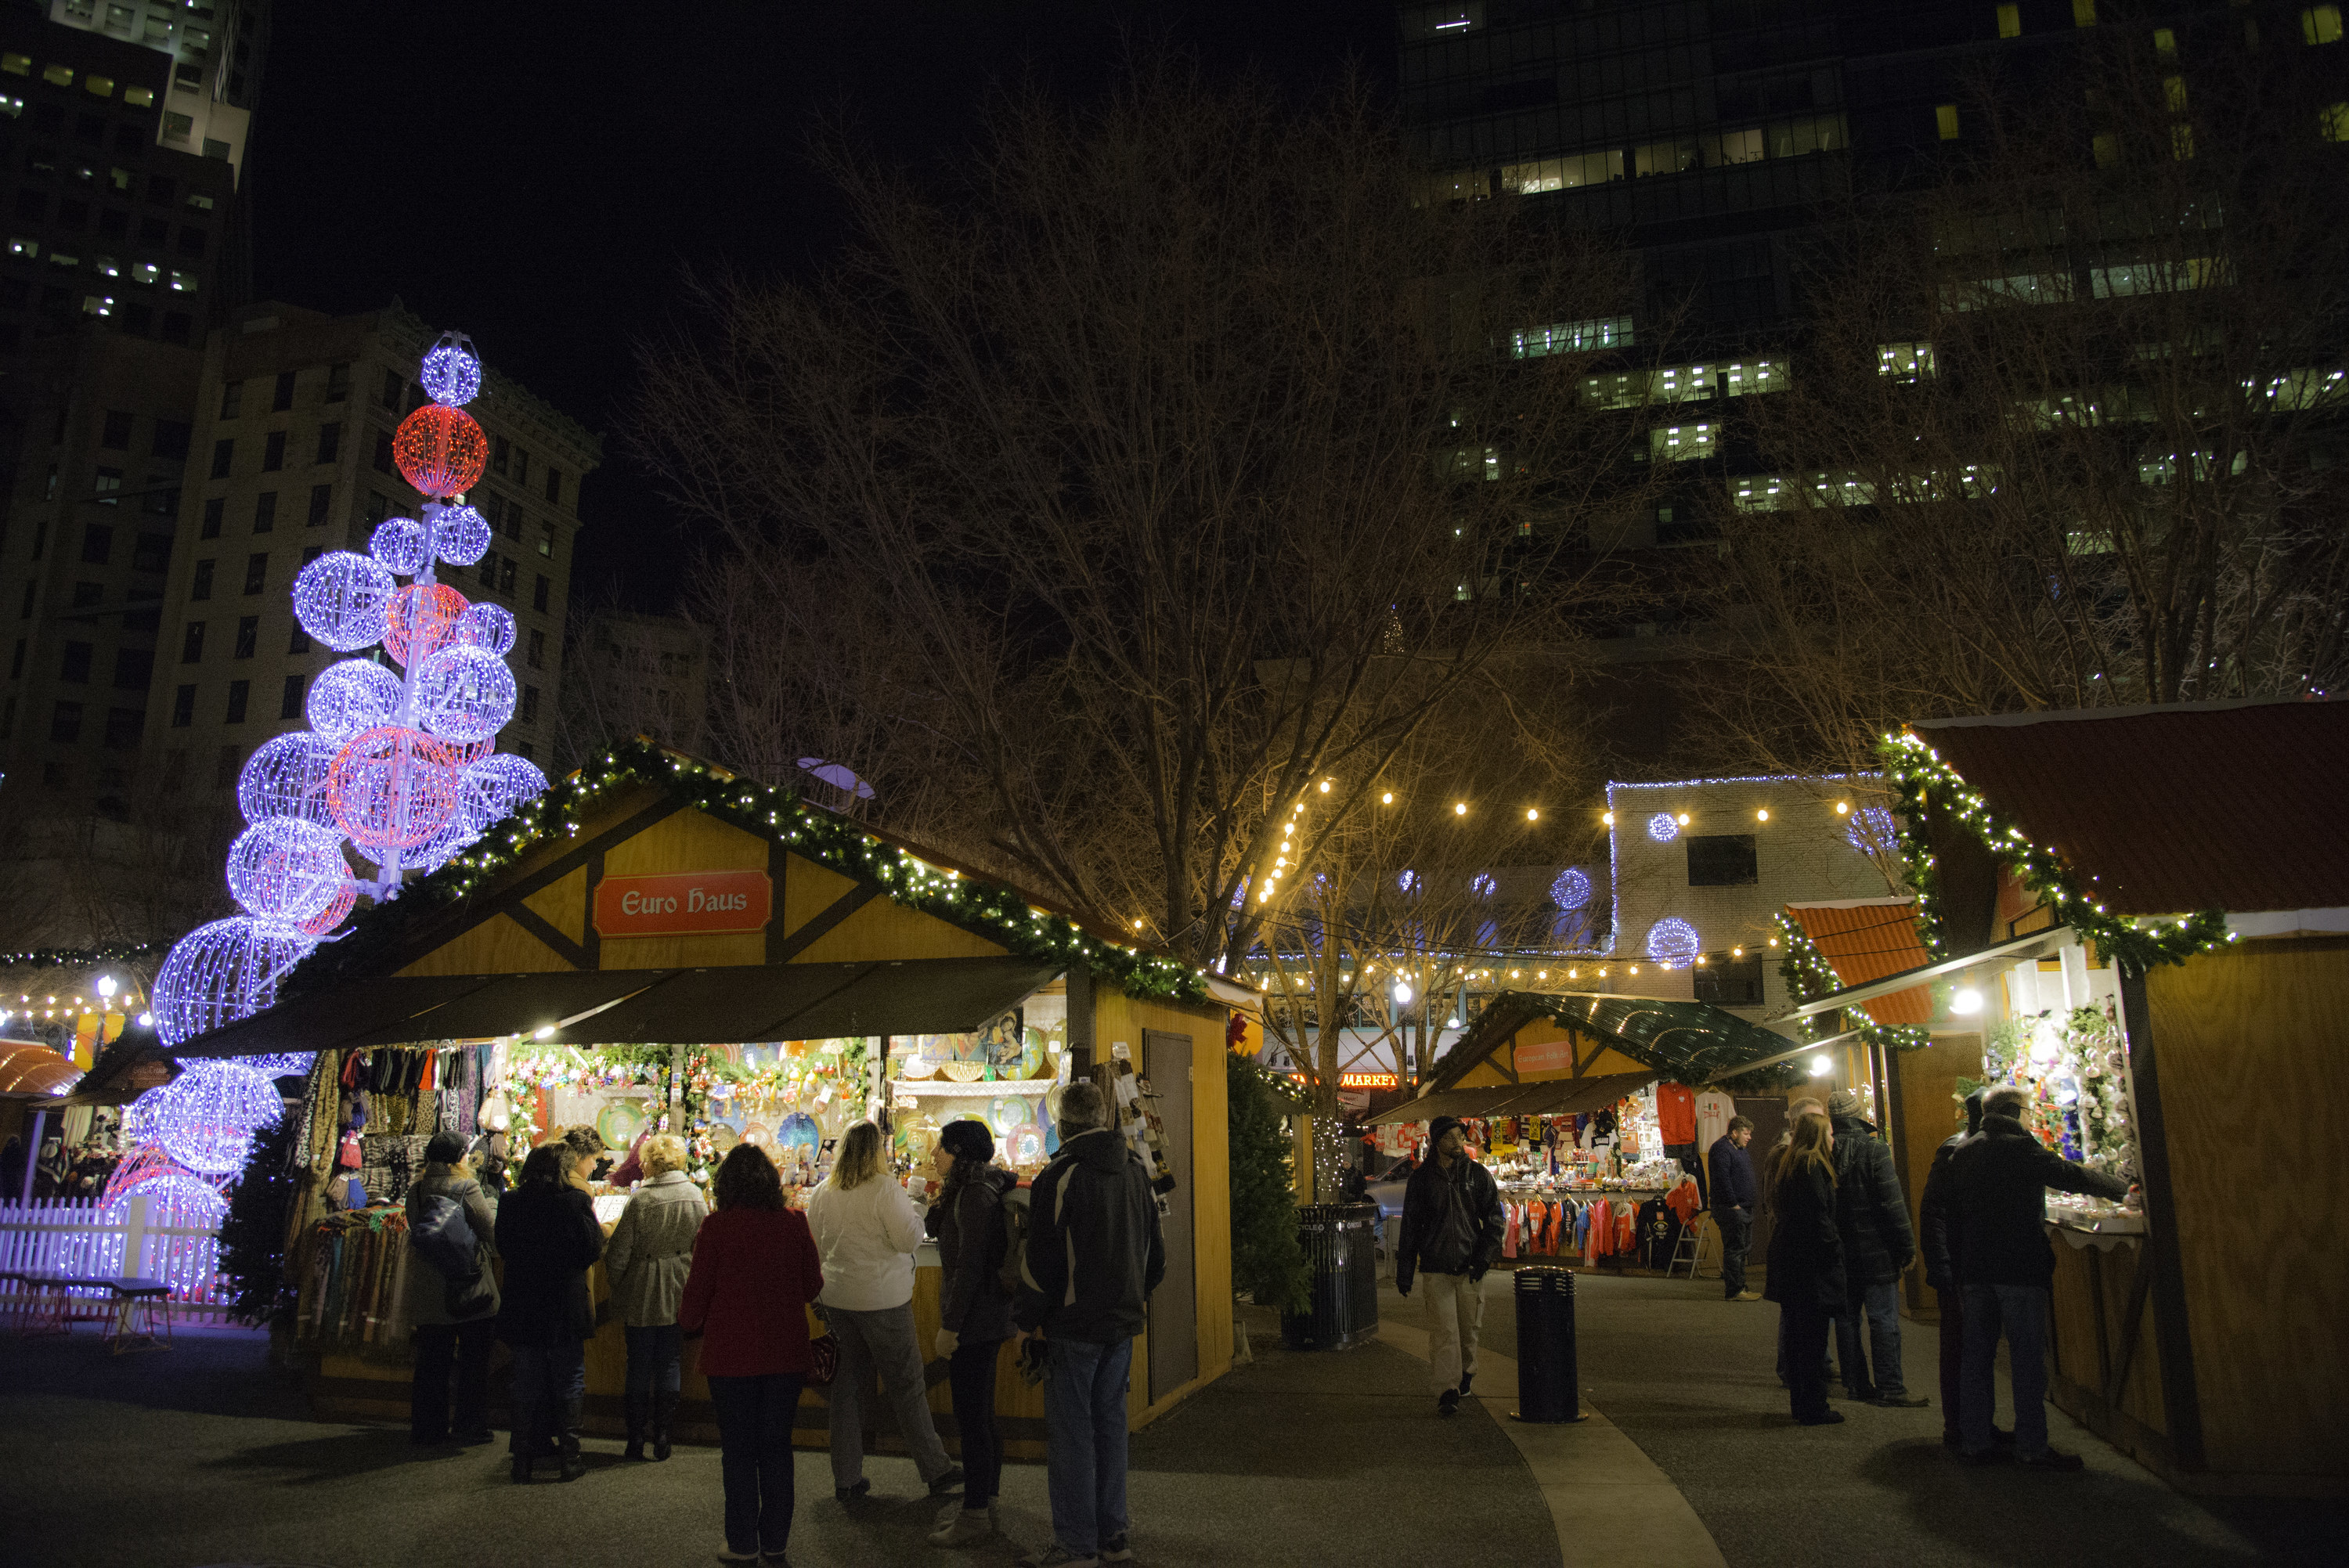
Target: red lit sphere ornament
{"x":441,"y":451}
{"x":420,"y":618}
{"x":325,"y":920}
{"x":392,"y":787}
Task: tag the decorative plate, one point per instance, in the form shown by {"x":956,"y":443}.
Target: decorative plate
{"x":964,"y":1072}
{"x":1027,"y":1146}
{"x":800,"y":1129}
{"x":620,"y":1124}
{"x":918,"y":1067}
{"x":723,"y":1138}
{"x":1007,"y":1111}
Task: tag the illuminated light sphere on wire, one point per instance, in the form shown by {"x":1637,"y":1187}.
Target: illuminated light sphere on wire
{"x":340,"y":600}
{"x":286,"y":869}
{"x":286,"y":774}
{"x":397,"y":545}
{"x":223,"y":971}
{"x":419,"y":619}
{"x":1673,"y":943}
{"x":1873,"y":831}
{"x":346,"y":697}
{"x":451,"y":372}
{"x":280,"y":1064}
{"x":1408,"y":882}
{"x":327,"y":919}
{"x":392,"y":787}
{"x":210,"y":1113}
{"x":1571,"y":890}
{"x":488,"y":792}
{"x":463,"y":537}
{"x":464,"y":694}
{"x":1482,"y":885}
{"x":1662,"y":827}
{"x":439,"y":450}
{"x":488,"y":626}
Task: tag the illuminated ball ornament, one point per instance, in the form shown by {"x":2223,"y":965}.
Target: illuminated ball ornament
{"x":1873,"y":831}
{"x":452,"y":373}
{"x":223,"y":971}
{"x":420,"y":618}
{"x":286,"y":869}
{"x":1663,"y":828}
{"x":1673,"y":943}
{"x":1571,"y":890}
{"x":345,"y":698}
{"x":392,"y":787}
{"x":488,"y":626}
{"x":397,"y":545}
{"x":333,"y":915}
{"x":441,"y":451}
{"x":208,"y":1115}
{"x":464,"y":694}
{"x":463,"y":537}
{"x":286,"y":776}
{"x":506,"y":781}
{"x":340,"y":598}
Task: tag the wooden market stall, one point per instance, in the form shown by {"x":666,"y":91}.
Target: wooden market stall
{"x":657,"y":918}
{"x":2143,"y":915}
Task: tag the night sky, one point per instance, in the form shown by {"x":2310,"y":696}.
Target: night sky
{"x":542,"y":176}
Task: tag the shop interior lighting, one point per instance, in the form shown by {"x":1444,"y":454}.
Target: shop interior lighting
{"x":1763,"y":815}
{"x":1821,"y":1065}
{"x":1968,"y":1000}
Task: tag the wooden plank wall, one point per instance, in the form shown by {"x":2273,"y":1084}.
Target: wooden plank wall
{"x":2089,"y":1310}
{"x":1930,"y":1112}
{"x":2254,"y":1079}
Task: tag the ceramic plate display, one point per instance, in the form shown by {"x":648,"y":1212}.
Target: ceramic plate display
{"x":964,"y":1072}
{"x":918,"y":1067}
{"x":1007,"y":1111}
{"x":620,"y":1123}
{"x":759,"y":1133}
{"x":1052,"y":1103}
{"x":798,"y":1128}
{"x":1025,"y":1146}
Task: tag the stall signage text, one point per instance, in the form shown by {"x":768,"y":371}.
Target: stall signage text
{"x":683,"y":904}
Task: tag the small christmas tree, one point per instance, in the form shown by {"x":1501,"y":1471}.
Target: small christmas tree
{"x":1268,"y":1263}
{"x":253,"y":1234}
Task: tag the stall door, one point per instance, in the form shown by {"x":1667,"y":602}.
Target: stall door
{"x":1174,"y":1310}
{"x":1768,"y":1115}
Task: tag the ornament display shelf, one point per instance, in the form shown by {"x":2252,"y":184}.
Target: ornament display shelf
{"x":948,"y":1089}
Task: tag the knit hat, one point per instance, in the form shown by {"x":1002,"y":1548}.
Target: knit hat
{"x":446,"y":1148}
{"x":1843,"y":1102}
{"x":968,"y":1140}
{"x":1439,"y":1126}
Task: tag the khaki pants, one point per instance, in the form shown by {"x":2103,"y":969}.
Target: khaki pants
{"x":1455,"y":1312}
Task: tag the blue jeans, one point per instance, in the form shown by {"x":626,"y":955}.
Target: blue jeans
{"x":2021,"y":1311}
{"x":653,"y":1358}
{"x":545,"y":1379}
{"x":754,"y":1453}
{"x":1085,"y":1440}
{"x":1881,"y":1303}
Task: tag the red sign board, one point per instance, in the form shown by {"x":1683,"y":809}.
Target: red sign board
{"x":1548,"y":1055}
{"x":683,"y":904}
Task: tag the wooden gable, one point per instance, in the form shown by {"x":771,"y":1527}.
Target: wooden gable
{"x":1543,"y":1050}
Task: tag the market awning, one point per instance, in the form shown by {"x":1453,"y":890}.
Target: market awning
{"x":1557,"y":1096}
{"x":30,"y":1070}
{"x":1868,"y":939}
{"x":397,"y":1009}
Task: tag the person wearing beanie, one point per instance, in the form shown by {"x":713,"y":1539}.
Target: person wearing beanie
{"x":1451,"y":1229}
{"x":1934,"y":1236}
{"x":1872,"y":1219}
{"x":442,"y":1340}
{"x":974,"y":1315}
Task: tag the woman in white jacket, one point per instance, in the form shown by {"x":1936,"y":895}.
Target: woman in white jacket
{"x":867,"y":1228}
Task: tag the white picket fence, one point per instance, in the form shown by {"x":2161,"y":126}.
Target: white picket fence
{"x":160,"y":1237}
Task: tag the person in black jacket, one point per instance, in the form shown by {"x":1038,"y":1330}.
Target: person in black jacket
{"x":1451,"y":1228}
{"x":1872,"y":1217}
{"x":1806,"y":1274}
{"x":1940,"y":1271}
{"x":974,"y":1315}
{"x":1998,"y":1182}
{"x":547,"y":1234}
{"x":1734,"y":1196}
{"x":1094,"y":1254}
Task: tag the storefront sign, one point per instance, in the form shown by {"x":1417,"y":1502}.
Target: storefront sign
{"x":683,"y":904}
{"x":1549,"y":1056}
{"x":1359,"y":1081}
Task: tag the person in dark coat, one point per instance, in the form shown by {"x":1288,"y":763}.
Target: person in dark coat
{"x":1451,"y":1229}
{"x":1734,"y":1198}
{"x":547,"y":1234}
{"x":1999,"y":1180}
{"x":974,"y":1315}
{"x":443,"y":1340}
{"x":1940,"y":1271}
{"x":1807,"y":1272}
{"x":1872,"y":1217}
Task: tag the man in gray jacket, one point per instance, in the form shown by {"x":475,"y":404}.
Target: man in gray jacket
{"x":443,"y":1340}
{"x":1872,"y":1217}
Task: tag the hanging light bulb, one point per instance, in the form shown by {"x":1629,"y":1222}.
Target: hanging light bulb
{"x":1821,"y":1065}
{"x":1967,"y":1000}
{"x":1402,"y":992}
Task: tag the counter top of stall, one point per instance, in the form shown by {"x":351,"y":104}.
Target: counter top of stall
{"x":2085,"y":1222}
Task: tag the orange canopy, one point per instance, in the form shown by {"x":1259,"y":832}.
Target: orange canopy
{"x":1868,"y":939}
{"x":27,"y":1069}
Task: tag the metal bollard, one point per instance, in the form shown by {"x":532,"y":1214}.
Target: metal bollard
{"x":1547,"y":1381}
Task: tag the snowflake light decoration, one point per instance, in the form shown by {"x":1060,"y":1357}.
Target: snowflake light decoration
{"x":1663,"y":827}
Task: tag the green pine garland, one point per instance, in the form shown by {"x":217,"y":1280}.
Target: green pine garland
{"x":999,"y":913}
{"x":81,"y":957}
{"x":1922,"y":778}
{"x":1809,"y":976}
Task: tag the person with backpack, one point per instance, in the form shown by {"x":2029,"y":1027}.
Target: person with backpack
{"x":547,"y":1233}
{"x":972,"y":1221}
{"x":451,"y":1298}
{"x":647,"y":1261}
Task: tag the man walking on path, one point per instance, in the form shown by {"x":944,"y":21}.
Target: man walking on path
{"x":1733,"y":1196}
{"x":1094,"y":1254}
{"x":1872,"y":1217}
{"x":1451,"y":1226}
{"x":1999,"y":1180}
{"x":1933,"y":1243}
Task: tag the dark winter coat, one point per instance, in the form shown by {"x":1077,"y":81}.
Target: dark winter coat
{"x":1427,"y":1243}
{"x":1999,"y":1180}
{"x":1733,"y":1186}
{"x":1094,"y":1246}
{"x":1933,"y":1218}
{"x":972,"y":1236}
{"x":1871,"y":1215}
{"x":549,"y":1238}
{"x":427,"y":1289}
{"x":1806,"y":1249}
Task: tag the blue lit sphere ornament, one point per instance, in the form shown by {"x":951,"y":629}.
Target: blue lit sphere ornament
{"x":1874,"y":832}
{"x":286,"y":869}
{"x":463,"y":536}
{"x":397,"y":545}
{"x":197,"y":1200}
{"x":464,"y":694}
{"x":1571,"y":890}
{"x":486,"y":626}
{"x":223,"y":971}
{"x":286,"y":776}
{"x":350,"y":697}
{"x":1673,"y":943}
{"x":280,"y":1064}
{"x":451,"y":374}
{"x":488,"y":791}
{"x":1482,"y":885}
{"x":1408,"y":882}
{"x":1663,"y":827}
{"x":340,"y":598}
{"x":205,"y":1117}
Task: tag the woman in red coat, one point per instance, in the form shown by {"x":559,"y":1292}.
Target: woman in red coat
{"x":755,"y":1269}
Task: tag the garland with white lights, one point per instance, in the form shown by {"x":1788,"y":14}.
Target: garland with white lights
{"x":1002,"y":914}
{"x":79,"y":957}
{"x":1922,"y":776}
{"x":1809,"y":976}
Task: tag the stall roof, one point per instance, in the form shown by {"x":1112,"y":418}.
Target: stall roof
{"x":1689,"y":1042}
{"x":645,"y":1007}
{"x":1866,"y":939}
{"x":1557,"y":1096}
{"x":2232,"y":806}
{"x":30,"y":1070}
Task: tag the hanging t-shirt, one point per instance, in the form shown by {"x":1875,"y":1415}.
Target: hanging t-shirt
{"x":1582,"y":1229}
{"x":1683,"y":1201}
{"x":1713,"y":1109}
{"x":1676,"y":1113}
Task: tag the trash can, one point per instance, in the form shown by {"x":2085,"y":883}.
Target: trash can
{"x":1341,"y":1255}
{"x":1547,"y":1387}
